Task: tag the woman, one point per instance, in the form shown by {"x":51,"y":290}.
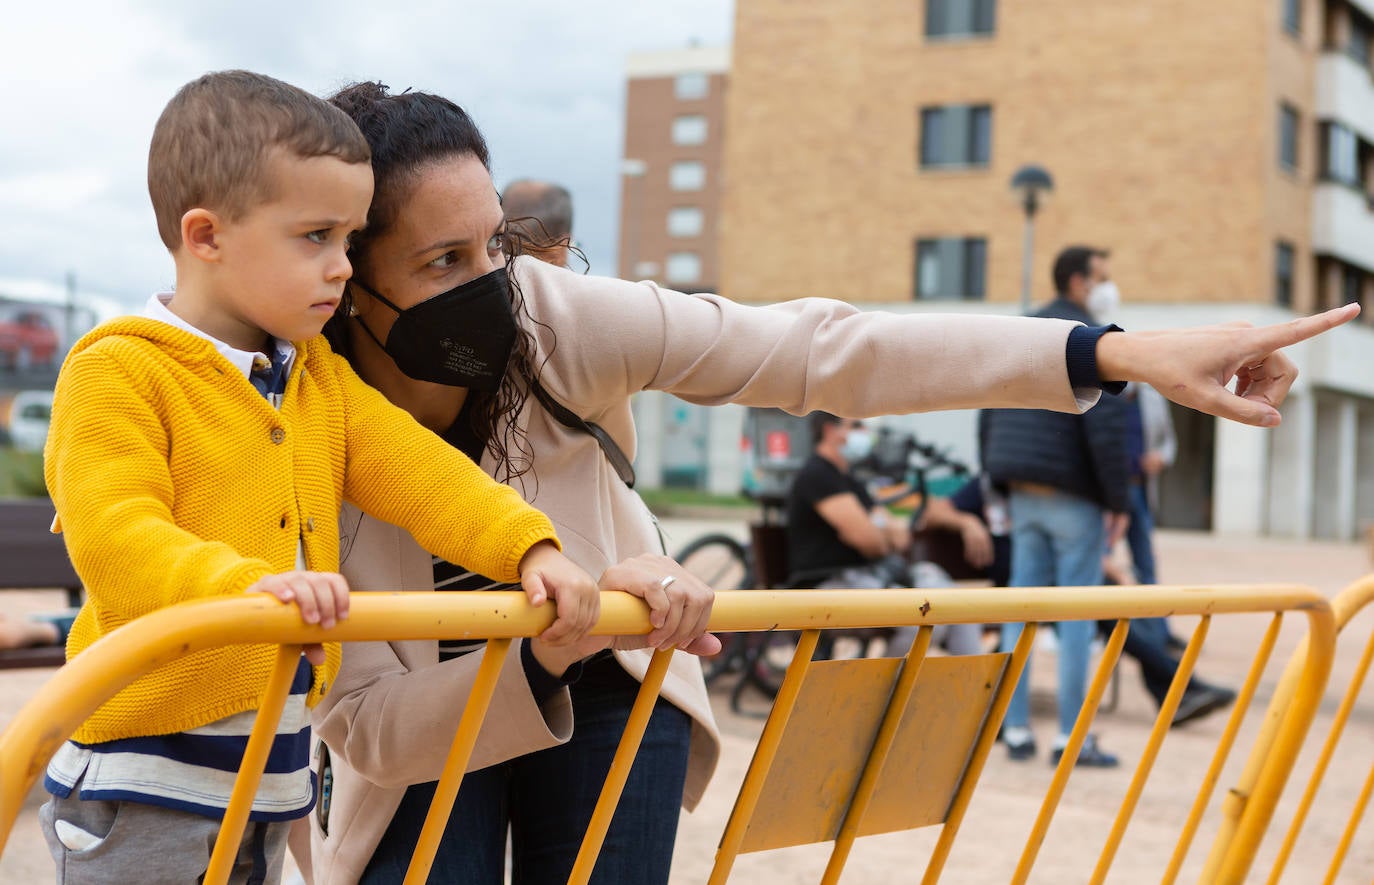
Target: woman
{"x":486,"y":351}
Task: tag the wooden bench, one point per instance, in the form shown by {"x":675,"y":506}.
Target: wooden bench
{"x":33,"y":558}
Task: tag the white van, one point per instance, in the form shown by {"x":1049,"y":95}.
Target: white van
{"x":29,"y":415}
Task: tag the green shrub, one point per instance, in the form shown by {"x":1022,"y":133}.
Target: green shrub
{"x":21,"y":474}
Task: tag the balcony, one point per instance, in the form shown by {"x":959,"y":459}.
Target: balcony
{"x":1345,"y":92}
{"x":1343,"y":224}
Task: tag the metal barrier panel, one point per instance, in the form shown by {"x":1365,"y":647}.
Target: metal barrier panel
{"x":908,"y":704}
{"x":1352,"y":601}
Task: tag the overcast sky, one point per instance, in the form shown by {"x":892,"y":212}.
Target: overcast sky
{"x":85,"y":82}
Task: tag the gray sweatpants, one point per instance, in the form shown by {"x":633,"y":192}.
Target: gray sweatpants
{"x":150,"y":845}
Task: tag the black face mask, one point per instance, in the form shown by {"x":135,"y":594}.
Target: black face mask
{"x":462,"y":337}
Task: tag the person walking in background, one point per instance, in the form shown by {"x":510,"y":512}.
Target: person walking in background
{"x":977,"y":513}
{"x":1067,"y":477}
{"x":542,"y":213}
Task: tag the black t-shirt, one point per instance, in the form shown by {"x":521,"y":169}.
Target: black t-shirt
{"x":812,"y":543}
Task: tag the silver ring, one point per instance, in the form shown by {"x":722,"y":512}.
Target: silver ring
{"x":668,"y":579}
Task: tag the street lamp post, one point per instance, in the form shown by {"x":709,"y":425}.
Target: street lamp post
{"x":1029,"y":181}
{"x":633,"y":171}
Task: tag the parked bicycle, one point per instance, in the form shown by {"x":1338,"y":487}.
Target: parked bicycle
{"x":900,"y":468}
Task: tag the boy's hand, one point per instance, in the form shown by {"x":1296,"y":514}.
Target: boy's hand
{"x":322,"y":598}
{"x":679,"y":603}
{"x":545,"y":573}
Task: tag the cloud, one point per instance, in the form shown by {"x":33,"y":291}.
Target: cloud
{"x":544,"y":81}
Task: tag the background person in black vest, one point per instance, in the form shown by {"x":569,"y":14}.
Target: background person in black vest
{"x":1067,"y":478}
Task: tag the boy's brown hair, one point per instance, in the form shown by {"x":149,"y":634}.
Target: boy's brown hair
{"x":211,"y":145}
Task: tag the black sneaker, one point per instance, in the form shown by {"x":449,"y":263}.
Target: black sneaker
{"x":1200,"y":700}
{"x":1022,"y":751}
{"x":1091,"y":756}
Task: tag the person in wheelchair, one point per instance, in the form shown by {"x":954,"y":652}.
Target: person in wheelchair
{"x":838,"y":537}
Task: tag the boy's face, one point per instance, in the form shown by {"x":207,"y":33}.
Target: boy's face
{"x":283,"y":265}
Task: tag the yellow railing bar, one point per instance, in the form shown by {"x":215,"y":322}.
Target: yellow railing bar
{"x":251,"y":768}
{"x":964,"y":796}
{"x":1151,"y":751}
{"x":764,"y":754}
{"x":446,"y":790}
{"x":620,"y":767}
{"x":1223,"y":751}
{"x":877,"y":757}
{"x":1110,"y":655}
{"x":1338,"y":859}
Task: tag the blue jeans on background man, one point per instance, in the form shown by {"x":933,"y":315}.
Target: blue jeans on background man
{"x":1056,"y":541}
{"x":1140,"y":536}
{"x":547,"y":799}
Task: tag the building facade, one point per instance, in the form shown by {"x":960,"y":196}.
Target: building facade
{"x":671,"y":177}
{"x":1223,"y":151}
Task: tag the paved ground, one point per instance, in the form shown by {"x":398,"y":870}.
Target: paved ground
{"x":1010,"y":793}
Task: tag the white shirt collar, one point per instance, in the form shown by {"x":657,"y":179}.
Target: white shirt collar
{"x":156,"y":309}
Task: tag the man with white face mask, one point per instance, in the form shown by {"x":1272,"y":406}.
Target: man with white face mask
{"x":839,"y":537}
{"x":1068,"y":481}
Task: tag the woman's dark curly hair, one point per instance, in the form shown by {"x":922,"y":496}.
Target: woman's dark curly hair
{"x":408,"y":132}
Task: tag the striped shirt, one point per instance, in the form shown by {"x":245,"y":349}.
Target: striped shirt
{"x":448,"y":576}
{"x":195,"y":770}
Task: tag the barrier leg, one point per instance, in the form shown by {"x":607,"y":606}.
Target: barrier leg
{"x":1101,"y":678}
{"x":1151,"y":752}
{"x":620,"y":768}
{"x":446,"y":791}
{"x":764,"y":754}
{"x":882,"y":745}
{"x":1228,"y":739}
{"x":254,"y":760}
{"x":959,"y":805}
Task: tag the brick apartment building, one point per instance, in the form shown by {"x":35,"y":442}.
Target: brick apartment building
{"x":1223,"y":151}
{"x":671,"y":174}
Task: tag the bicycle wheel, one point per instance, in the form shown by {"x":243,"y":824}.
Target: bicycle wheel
{"x":721,"y":562}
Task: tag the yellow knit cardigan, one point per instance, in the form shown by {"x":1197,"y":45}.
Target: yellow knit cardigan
{"x":174,"y":479}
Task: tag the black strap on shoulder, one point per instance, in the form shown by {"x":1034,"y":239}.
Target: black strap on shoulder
{"x":621,"y":464}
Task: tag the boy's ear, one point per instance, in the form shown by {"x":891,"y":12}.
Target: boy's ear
{"x":199,"y":234}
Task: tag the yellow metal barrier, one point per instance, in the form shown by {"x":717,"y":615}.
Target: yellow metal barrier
{"x":1349,"y":603}
{"x":906,"y":700}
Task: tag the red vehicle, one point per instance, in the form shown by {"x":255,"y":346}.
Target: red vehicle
{"x":27,"y":340}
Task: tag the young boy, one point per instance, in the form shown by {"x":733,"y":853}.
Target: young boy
{"x":204,"y":449}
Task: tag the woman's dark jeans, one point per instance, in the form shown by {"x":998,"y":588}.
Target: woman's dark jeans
{"x":547,"y":799}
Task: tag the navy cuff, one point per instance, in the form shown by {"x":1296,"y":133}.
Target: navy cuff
{"x":1081,"y":356}
{"x":543,"y":684}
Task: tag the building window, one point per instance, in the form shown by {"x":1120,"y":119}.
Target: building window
{"x":956,"y":135}
{"x":684,"y":221}
{"x":683,"y":267}
{"x":645,"y":270}
{"x":1283,"y":274}
{"x":1288,"y":137}
{"x":1292,"y":16}
{"x":688,"y":175}
{"x":961,"y":18}
{"x":1361,"y":35}
{"x":688,"y":87}
{"x":1352,"y":281}
{"x":689,"y":130}
{"x":951,"y":267}
{"x":1341,"y":158}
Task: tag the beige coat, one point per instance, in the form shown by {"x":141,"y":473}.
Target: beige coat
{"x":390,"y":718}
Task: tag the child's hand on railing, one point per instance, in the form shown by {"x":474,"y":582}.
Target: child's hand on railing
{"x":322,"y":598}
{"x":545,"y":573}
